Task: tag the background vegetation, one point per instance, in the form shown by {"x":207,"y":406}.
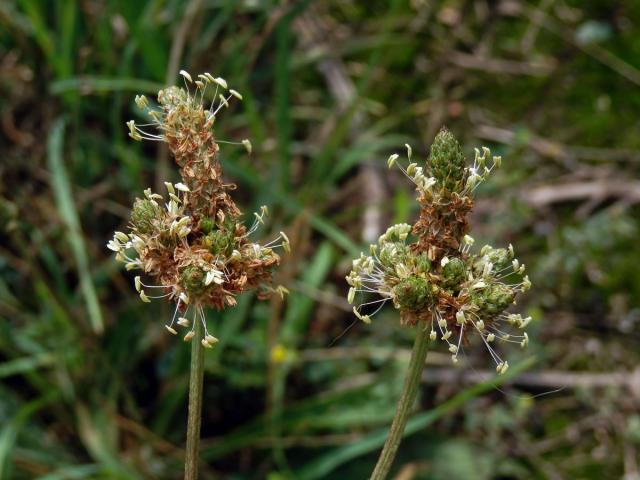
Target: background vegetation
{"x":92,"y":387}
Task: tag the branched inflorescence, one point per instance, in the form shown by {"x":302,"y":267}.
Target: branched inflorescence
{"x":428,"y":270}
{"x":192,"y":241}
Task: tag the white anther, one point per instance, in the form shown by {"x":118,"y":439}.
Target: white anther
{"x":221,"y":81}
{"x":183,"y":322}
{"x":189,"y":336}
{"x":351,"y":296}
{"x":186,"y":75}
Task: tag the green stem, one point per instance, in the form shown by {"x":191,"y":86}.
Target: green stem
{"x":407,"y":398}
{"x":195,"y":404}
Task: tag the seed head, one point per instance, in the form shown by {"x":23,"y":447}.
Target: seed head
{"x":414,"y":294}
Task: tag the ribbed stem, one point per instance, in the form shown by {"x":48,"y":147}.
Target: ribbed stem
{"x":195,"y":405}
{"x":408,"y":396}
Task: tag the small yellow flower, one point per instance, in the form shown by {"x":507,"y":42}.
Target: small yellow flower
{"x":280,"y":354}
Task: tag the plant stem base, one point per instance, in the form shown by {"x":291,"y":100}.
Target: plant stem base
{"x":408,"y":396}
{"x":194,"y":421}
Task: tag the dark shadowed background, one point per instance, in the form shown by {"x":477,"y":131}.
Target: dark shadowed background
{"x":93,"y":387}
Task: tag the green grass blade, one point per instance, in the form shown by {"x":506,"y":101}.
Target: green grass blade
{"x":295,"y":419}
{"x":282,"y":89}
{"x":367,"y":148}
{"x":328,"y":462}
{"x":66,"y":30}
{"x":98,"y":433}
{"x":26,"y":364}
{"x":41,"y":34}
{"x":72,"y":472}
{"x":104,"y":84}
{"x":334,"y":234}
{"x":298,"y":314}
{"x":11,"y":17}
{"x":10,"y":430}
{"x":69,"y":215}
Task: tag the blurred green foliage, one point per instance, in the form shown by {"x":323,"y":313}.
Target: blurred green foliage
{"x":91,"y":387}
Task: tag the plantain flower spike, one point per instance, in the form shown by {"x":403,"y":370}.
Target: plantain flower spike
{"x":428,"y":270}
{"x":191,"y":241}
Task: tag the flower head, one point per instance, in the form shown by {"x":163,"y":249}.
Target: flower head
{"x":192,"y":240}
{"x":433,"y":277}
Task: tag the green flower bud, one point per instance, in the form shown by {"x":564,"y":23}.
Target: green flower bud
{"x":414,"y":294}
{"x":493,"y":299}
{"x":206,"y":224}
{"x":454,"y":273}
{"x":498,"y":256}
{"x":171,"y":97}
{"x":192,"y":280}
{"x":143,"y":215}
{"x":393,"y":253}
{"x":446,"y":161}
{"x":219,"y":242}
{"x":422,"y":263}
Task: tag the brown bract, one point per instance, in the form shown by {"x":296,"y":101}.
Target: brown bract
{"x":189,"y":135}
{"x":441,"y":225}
